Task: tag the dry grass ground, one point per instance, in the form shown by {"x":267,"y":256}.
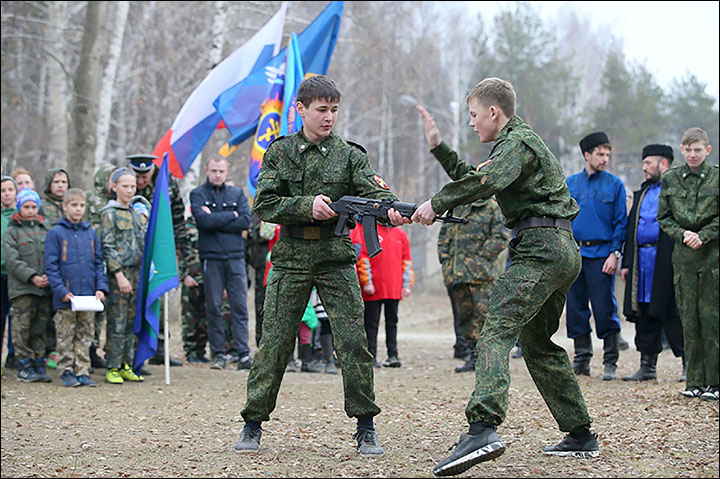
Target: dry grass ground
{"x":188,"y":428}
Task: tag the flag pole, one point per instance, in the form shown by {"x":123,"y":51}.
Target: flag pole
{"x":165,"y":339}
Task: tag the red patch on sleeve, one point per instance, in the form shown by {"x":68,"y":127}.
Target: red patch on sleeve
{"x":380,"y":182}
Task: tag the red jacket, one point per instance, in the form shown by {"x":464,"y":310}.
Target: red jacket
{"x":391,"y":270}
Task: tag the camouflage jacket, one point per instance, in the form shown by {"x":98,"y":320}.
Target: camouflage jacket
{"x":468,"y":252}
{"x":523,"y":174}
{"x":99,"y":196}
{"x":190,"y":264}
{"x":52,"y":209}
{"x":176,"y":203}
{"x":23,"y":246}
{"x":689,"y":201}
{"x":294,"y":171}
{"x":122,"y":235}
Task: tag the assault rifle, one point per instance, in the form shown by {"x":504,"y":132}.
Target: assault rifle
{"x":368,"y":210}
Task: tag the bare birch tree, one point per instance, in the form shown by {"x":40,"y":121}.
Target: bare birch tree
{"x":56,"y":65}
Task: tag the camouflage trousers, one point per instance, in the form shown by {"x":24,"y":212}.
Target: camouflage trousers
{"x":695,"y":276}
{"x":470,"y":302}
{"x":527,"y":301}
{"x":99,"y":320}
{"x":194,"y":322}
{"x":120,"y":343}
{"x":74,"y":331}
{"x":30,"y":315}
{"x":286,"y":298}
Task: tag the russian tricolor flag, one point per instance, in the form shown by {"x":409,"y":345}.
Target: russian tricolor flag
{"x":198,"y":118}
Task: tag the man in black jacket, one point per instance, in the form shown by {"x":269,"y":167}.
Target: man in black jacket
{"x":222,"y":214}
{"x":648,"y":272}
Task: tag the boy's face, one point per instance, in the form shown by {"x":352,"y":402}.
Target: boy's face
{"x":7,"y":194}
{"x":216,"y":171}
{"x":695,"y":153}
{"x":58,"y":185}
{"x":318,"y":118}
{"x":125,"y":189}
{"x":74,"y":209}
{"x":24,"y":181}
{"x":483,"y":120}
{"x":29,"y":210}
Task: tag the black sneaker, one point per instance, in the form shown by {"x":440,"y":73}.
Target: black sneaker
{"x":571,"y":447}
{"x":249,"y":439}
{"x":368,"y":443}
{"x":711,"y":394}
{"x":392,"y":362}
{"x":26,"y":371}
{"x":41,"y":371}
{"x":218,"y":362}
{"x":69,"y":379}
{"x":692,"y":392}
{"x":197,"y":359}
{"x":470,"y":449}
{"x":244,"y":362}
{"x":469,"y":364}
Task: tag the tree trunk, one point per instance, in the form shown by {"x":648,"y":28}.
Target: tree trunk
{"x":108,"y":81}
{"x":57,"y":87}
{"x":83,"y":108}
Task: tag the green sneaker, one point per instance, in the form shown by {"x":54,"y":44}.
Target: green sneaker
{"x":52,"y":359}
{"x":129,"y":375}
{"x":113,"y":376}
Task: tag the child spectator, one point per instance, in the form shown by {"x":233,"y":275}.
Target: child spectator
{"x":122,"y":234}
{"x":384,"y":280}
{"x":23,"y":179}
{"x":24,"y":250}
{"x":58,"y":182}
{"x":8,"y":191}
{"x":74,"y":266}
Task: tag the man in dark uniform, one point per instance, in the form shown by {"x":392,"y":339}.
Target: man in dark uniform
{"x":301,"y":174}
{"x":146,"y":176}
{"x":528,"y":298}
{"x":647,"y":270}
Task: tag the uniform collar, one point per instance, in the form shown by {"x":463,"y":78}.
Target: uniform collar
{"x":323,"y":147}
{"x":702,"y":172}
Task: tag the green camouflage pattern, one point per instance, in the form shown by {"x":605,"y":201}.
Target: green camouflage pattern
{"x":176,"y":203}
{"x":294,"y":171}
{"x":52,"y":210}
{"x":471,"y":305}
{"x":689,"y":201}
{"x":468,"y":252}
{"x":120,"y":344}
{"x":97,"y":198}
{"x":74,"y":331}
{"x":523,"y":174}
{"x":122,"y":235}
{"x":30,"y":315}
{"x":526,"y":303}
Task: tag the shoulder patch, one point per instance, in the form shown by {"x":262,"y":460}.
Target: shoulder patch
{"x":357,"y":145}
{"x":276,"y":139}
{"x":484,"y":163}
{"x":380,"y":182}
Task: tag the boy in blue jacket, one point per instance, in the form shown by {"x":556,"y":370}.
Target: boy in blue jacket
{"x":74,"y":267}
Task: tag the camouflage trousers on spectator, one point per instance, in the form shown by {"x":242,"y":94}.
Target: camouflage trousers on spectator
{"x":99,"y":320}
{"x":74,"y":331}
{"x":120,"y":345}
{"x":527,"y":301}
{"x":30,"y":315}
{"x":286,"y":298}
{"x":194,"y":322}
{"x":471,"y":305}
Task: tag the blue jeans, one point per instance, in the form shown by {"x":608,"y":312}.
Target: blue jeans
{"x":597,"y":288}
{"x":229,"y":275}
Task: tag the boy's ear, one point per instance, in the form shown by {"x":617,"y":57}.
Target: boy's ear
{"x":709,"y":149}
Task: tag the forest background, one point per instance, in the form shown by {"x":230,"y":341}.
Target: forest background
{"x":87,"y":83}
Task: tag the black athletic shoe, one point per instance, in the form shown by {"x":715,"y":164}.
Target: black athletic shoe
{"x":471,"y":449}
{"x":368,"y":443}
{"x":249,"y":439}
{"x":571,"y":447}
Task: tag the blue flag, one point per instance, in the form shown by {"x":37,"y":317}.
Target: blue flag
{"x":159,"y":270}
{"x":294,"y":75}
{"x":239,"y":106}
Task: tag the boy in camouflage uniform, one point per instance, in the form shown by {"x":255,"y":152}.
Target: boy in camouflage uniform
{"x":528,"y":298}
{"x":468,"y":255}
{"x":24,"y":251}
{"x":688,"y":212}
{"x":74,"y":266}
{"x":301,"y":174}
{"x":122,"y":234}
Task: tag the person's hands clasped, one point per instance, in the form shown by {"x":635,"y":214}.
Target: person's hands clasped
{"x":692,"y":239}
{"x":321,"y":210}
{"x":425,"y":214}
{"x":432,"y":132}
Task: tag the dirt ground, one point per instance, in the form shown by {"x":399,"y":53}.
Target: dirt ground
{"x":188,"y":428}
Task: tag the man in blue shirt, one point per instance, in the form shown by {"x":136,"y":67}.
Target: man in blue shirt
{"x":647,"y":270}
{"x":600,"y":230}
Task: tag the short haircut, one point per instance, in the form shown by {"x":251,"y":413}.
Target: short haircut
{"x":216,"y":160}
{"x":494,"y":91}
{"x":20,"y":171}
{"x":73,"y":194}
{"x":693,"y":135}
{"x":318,"y":87}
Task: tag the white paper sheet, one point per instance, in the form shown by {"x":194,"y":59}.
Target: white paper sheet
{"x":86,"y":303}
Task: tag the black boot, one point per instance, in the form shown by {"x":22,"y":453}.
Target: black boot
{"x":159,"y":357}
{"x":611,"y":352}
{"x":96,"y":361}
{"x":648,"y":368}
{"x":305,"y":352}
{"x":683,"y":376}
{"x":583,"y":354}
{"x":469,"y":364}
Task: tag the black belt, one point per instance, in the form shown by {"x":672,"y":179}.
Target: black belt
{"x":308,"y":232}
{"x":542,"y":222}
{"x":591,"y":243}
{"x":647,"y":245}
